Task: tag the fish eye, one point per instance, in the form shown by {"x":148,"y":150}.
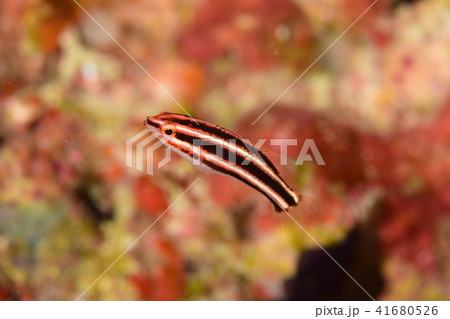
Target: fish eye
{"x":168,"y":130}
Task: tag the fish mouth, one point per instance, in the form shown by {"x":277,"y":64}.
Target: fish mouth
{"x":153,"y":124}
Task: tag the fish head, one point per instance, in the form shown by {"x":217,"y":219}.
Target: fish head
{"x":162,"y":125}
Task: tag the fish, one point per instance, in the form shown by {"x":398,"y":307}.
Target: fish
{"x":225,"y":152}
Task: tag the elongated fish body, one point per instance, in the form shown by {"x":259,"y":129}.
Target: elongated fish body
{"x":224,"y":152}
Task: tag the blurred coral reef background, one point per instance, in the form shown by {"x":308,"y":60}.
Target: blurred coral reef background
{"x":377,"y":106}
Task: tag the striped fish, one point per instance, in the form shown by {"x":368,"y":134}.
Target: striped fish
{"x":224,"y":152}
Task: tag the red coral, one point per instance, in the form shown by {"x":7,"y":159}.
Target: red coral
{"x":252,"y":30}
{"x":149,"y":196}
{"x":164,"y":281}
